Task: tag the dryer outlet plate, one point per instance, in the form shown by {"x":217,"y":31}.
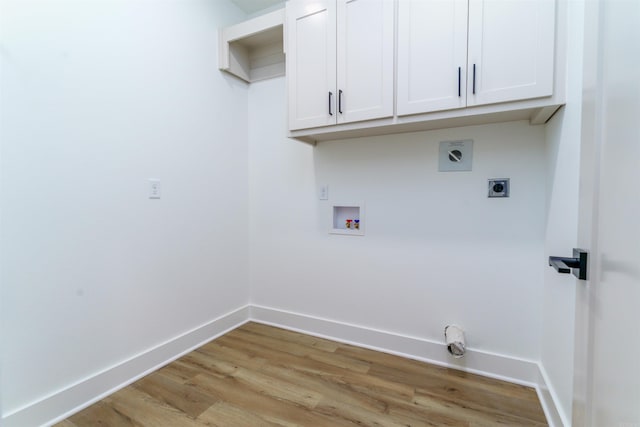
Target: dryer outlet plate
{"x":455,"y":155}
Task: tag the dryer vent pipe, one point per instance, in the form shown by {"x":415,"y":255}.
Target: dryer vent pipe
{"x":454,"y":338}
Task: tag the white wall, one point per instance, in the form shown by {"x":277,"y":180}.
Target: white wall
{"x":436,"y":249}
{"x":561,"y":235}
{"x":97,"y":97}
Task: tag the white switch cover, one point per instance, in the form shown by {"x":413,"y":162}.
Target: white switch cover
{"x":323,"y":194}
{"x":154,"y":189}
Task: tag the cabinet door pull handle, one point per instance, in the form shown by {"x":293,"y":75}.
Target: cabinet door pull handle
{"x":330,"y":95}
{"x":474,"y":79}
{"x":459,"y":76}
{"x":340,"y":101}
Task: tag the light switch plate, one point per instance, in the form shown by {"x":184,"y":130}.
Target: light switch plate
{"x":455,"y":155}
{"x":154,"y":189}
{"x":323,"y":193}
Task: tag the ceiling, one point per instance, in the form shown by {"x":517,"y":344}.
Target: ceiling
{"x":253,"y":6}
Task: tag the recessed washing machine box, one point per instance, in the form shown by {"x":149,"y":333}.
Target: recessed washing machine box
{"x":348,"y":218}
{"x":455,"y":155}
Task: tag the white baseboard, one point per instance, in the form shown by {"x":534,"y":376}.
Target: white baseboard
{"x":63,"y":403}
{"x":548,"y":398}
{"x":512,"y":369}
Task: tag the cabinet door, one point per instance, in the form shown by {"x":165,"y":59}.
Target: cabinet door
{"x":311,"y":63}
{"x":511,"y":48}
{"x":432,"y":55}
{"x":365,"y":59}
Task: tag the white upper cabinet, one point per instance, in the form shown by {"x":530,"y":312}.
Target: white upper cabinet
{"x":365,"y":60}
{"x":311,"y":62}
{"x":371,"y":67}
{"x":339,"y":61}
{"x":432,"y":55}
{"x":511,"y":46}
{"x":462,"y":53}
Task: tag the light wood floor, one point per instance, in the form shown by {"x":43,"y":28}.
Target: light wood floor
{"x":258,"y":375}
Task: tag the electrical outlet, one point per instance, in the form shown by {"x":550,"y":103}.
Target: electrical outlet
{"x":154,"y":189}
{"x":499,"y":187}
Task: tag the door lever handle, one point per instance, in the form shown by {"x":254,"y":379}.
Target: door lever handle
{"x":577,"y":264}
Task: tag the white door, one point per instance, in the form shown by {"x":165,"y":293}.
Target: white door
{"x":607,"y":363}
{"x":432,"y":55}
{"x":311,"y":63}
{"x":365,"y":59}
{"x":511,"y":50}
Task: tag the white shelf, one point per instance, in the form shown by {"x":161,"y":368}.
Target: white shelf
{"x":253,"y":50}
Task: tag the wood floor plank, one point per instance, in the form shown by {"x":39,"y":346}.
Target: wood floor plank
{"x":246,"y":356}
{"x":146,"y":411}
{"x":474,"y":416}
{"x":184,"y":397}
{"x":66,"y":423}
{"x":223,"y":414}
{"x":300,"y":350}
{"x":307,"y":340}
{"x":414,"y":416}
{"x":420,"y":370}
{"x":449,"y":385}
{"x":296,"y":368}
{"x":179,"y":371}
{"x":338,"y":409}
{"x":279,"y":388}
{"x":258,"y":375}
{"x":487,"y":402}
{"x":269,"y":407}
{"x":101,"y":414}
